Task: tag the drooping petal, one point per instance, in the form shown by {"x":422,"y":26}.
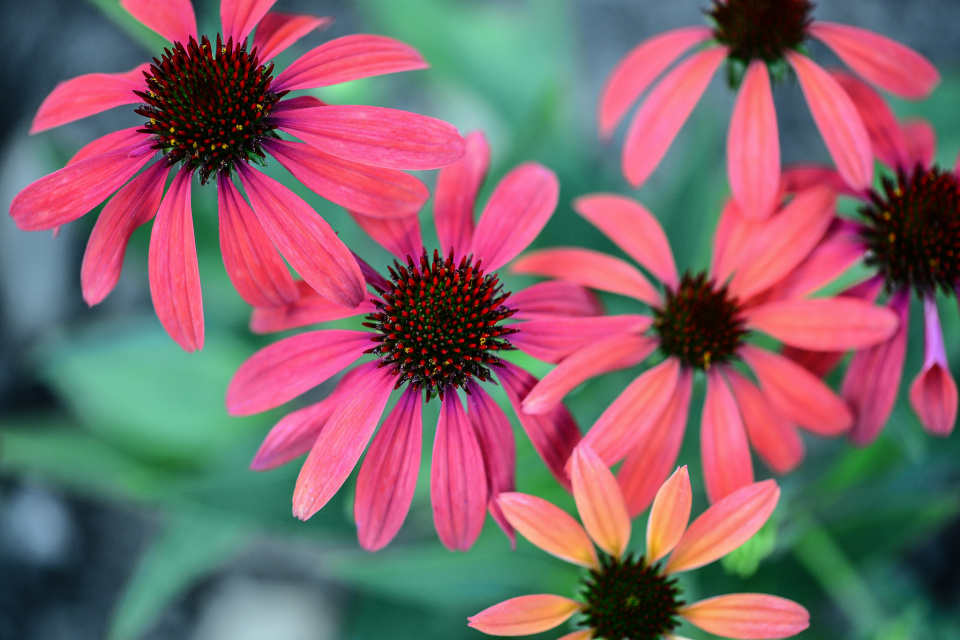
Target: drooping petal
{"x":553,"y":339}
{"x":255,"y":268}
{"x":723,"y":440}
{"x":885,"y":133}
{"x":599,"y":501}
{"x":590,"y":269}
{"x":921,"y":141}
{"x":753,"y":145}
{"x":285,"y":369}
{"x":659,"y":119}
{"x":669,"y":515}
{"x":112,"y":141}
{"x":933,"y":393}
{"x":648,"y":464}
{"x":456,"y":193}
{"x":376,"y":136}
{"x":524,"y":615}
{"x":838,"y":120}
{"x":239,"y":17}
{"x":639,"y":68}
{"x":305,"y":239}
{"x":797,"y":394}
{"x":173,"y":19}
{"x":824,"y":324}
{"x":599,"y":357}
{"x":87,"y":95}
{"x":724,"y":526}
{"x":495,"y":436}
{"x":517,"y":210}
{"x":373,"y":191}
{"x":458,"y":483}
{"x":174,"y":273}
{"x":65,"y":195}
{"x":132,"y":206}
{"x":549,"y":527}
{"x":348,"y":58}
{"x":309,"y":308}
{"x":750,"y":616}
{"x":339,"y":445}
{"x":388,"y":474}
{"x":882,"y":61}
{"x":632,"y":228}
{"x":553,"y":435}
{"x":775,"y":440}
{"x":399,"y":236}
{"x":277,"y":31}
{"x":625,"y":422}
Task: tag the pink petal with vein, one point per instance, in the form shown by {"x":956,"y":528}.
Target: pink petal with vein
{"x":173,"y":19}
{"x":132,"y":206}
{"x":255,"y":268}
{"x":599,"y":501}
{"x":456,"y":194}
{"x":554,"y":298}
{"x":664,"y":111}
{"x":285,"y":369}
{"x":517,"y":210}
{"x":309,"y":308}
{"x":724,"y":526}
{"x":775,"y":440}
{"x":734,"y":232}
{"x":524,"y":615}
{"x":632,"y":228}
{"x":723,"y":440}
{"x":590,"y":269}
{"x":553,"y":435}
{"x":824,"y":324}
{"x":239,"y":17}
{"x":839,"y":249}
{"x":753,"y":145}
{"x":921,"y":141}
{"x":887,"y":139}
{"x":342,"y":440}
{"x":87,"y":95}
{"x":797,"y":394}
{"x":458,"y":483}
{"x":348,"y":58}
{"x":305,"y":239}
{"x":388,"y":474}
{"x":399,"y":236}
{"x":750,"y":616}
{"x":495,"y":436}
{"x":277,"y":31}
{"x":111,"y":142}
{"x":550,"y":528}
{"x":838,"y":120}
{"x":882,"y":61}
{"x":174,"y":274}
{"x":553,"y":339}
{"x":669,"y":515}
{"x":639,"y":68}
{"x":933,"y":393}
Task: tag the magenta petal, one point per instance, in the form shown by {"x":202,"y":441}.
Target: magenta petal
{"x":554,"y":298}
{"x":285,"y":369}
{"x":723,"y":441}
{"x":639,"y":68}
{"x":499,"y":450}
{"x":554,"y":435}
{"x":775,"y":440}
{"x":342,"y":440}
{"x":882,"y":61}
{"x":255,"y":268}
{"x":388,"y":474}
{"x":552,"y":339}
{"x":87,"y":95}
{"x":305,"y":239}
{"x":400,"y":236}
{"x":838,"y":120}
{"x":933,"y":393}
{"x":173,"y":19}
{"x":277,"y":31}
{"x":753,"y":145}
{"x":376,"y":136}
{"x":921,"y":141}
{"x":174,"y":274}
{"x":132,"y":206}
{"x":348,"y":58}
{"x":734,"y":231}
{"x":373,"y":191}
{"x":113,"y":141}
{"x":456,"y":194}
{"x":885,"y":134}
{"x":239,"y":17}
{"x":65,"y":195}
{"x":518,"y":209}
{"x":458,"y":483}
{"x":664,"y":111}
{"x":309,"y":308}
{"x":840,"y":248}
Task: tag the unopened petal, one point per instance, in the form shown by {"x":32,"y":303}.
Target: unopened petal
{"x":933,"y":393}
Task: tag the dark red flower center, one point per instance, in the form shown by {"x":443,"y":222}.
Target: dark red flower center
{"x":760,"y":29}
{"x":699,"y":323}
{"x":438,"y":325}
{"x":628,"y":599}
{"x":207,"y":106}
{"x":913,"y":230}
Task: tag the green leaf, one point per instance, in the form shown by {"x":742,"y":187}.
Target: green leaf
{"x":745,"y":560}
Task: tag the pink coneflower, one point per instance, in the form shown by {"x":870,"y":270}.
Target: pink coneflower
{"x":703,"y":322}
{"x":909,"y":234}
{"x":638,"y":598}
{"x":213,"y":108}
{"x":438,"y":325}
{"x":757,"y":38}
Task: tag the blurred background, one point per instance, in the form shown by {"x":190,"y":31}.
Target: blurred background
{"x":126,"y":506}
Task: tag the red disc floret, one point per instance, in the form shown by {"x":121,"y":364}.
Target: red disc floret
{"x":760,"y":29}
